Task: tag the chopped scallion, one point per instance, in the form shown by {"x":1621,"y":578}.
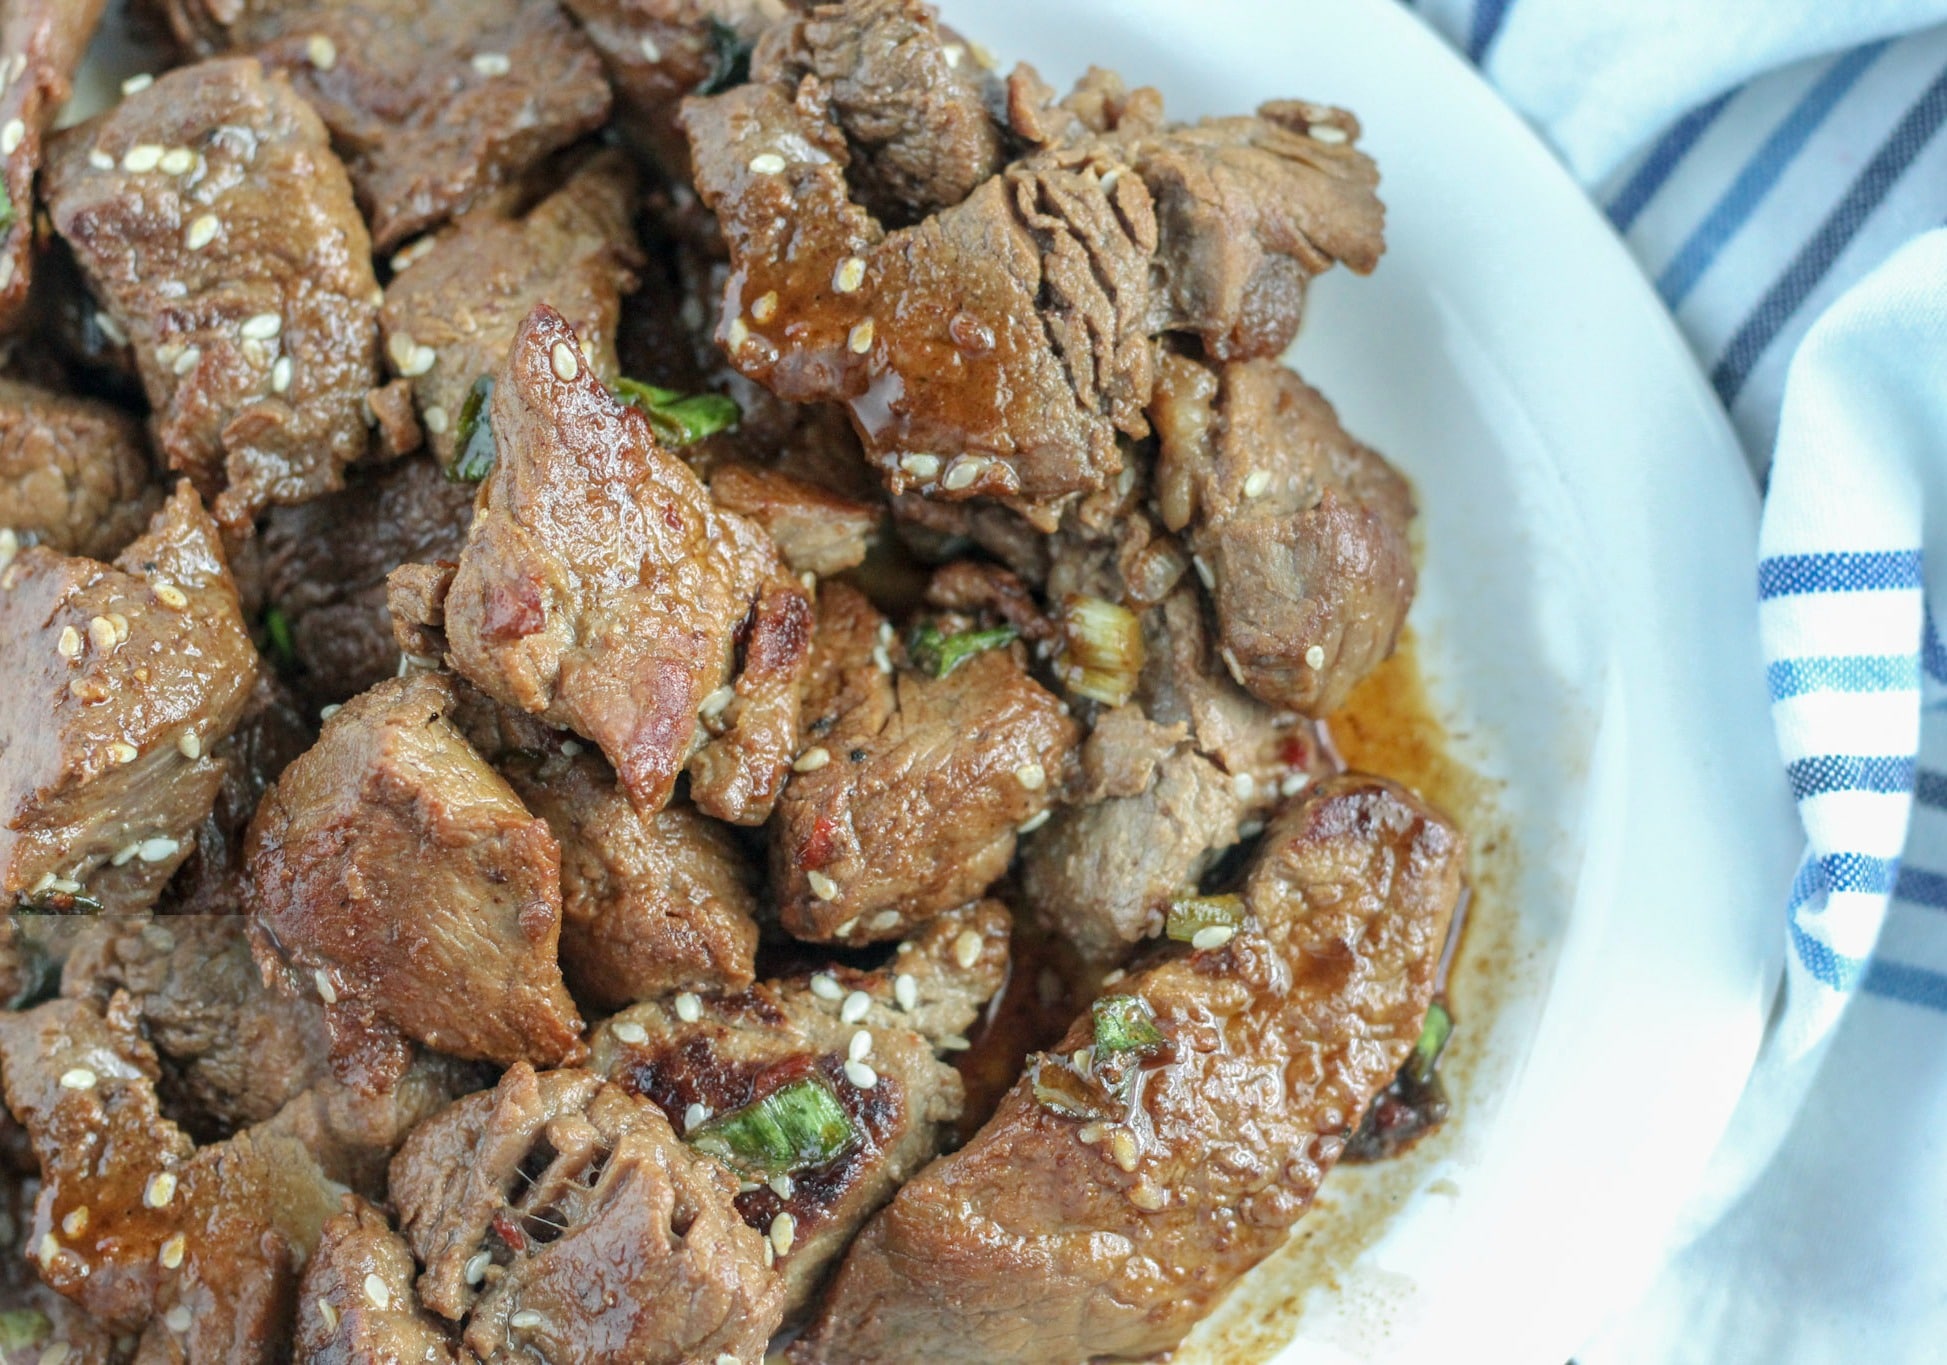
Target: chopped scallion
{"x":940,"y":654}
{"x":277,"y":632}
{"x":1102,"y":650}
{"x":1124,"y":1024}
{"x":680,"y":419}
{"x":1434,"y":1034}
{"x":21,"y":1328}
{"x":1193,"y":914}
{"x":794,"y":1128}
{"x":474,"y":451}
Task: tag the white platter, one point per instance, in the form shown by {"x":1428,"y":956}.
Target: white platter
{"x":1587,"y":620}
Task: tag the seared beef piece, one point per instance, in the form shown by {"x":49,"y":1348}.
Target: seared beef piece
{"x":415,"y":599}
{"x":435,"y":106}
{"x":1302,"y":530}
{"x":601,"y":589}
{"x":649,"y":903}
{"x":243,"y":279}
{"x":136,"y":1224}
{"x":465,"y":298}
{"x":938,"y":532}
{"x":41,"y":42}
{"x":898,"y":1099}
{"x":74,"y":474}
{"x":396,"y":876}
{"x":325,"y":565}
{"x":1056,"y":1238}
{"x":118,"y":685}
{"x":907,"y":799}
{"x":818,"y":531}
{"x":356,"y":1304}
{"x":972,"y":587}
{"x":561,"y":1217}
{"x":915,"y":105}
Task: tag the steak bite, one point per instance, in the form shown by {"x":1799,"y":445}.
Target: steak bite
{"x":41,"y":43}
{"x":74,"y":473}
{"x":218,"y":229}
{"x":602,"y":590}
{"x":450,"y":314}
{"x":817,"y":530}
{"x":908,"y":798}
{"x":435,"y":106}
{"x":558,"y":1215}
{"x":119,"y":684}
{"x":356,"y":1302}
{"x":1302,"y":530}
{"x":397,"y":876}
{"x":1106,"y":1216}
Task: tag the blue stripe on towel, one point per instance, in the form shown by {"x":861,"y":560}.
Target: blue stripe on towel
{"x":1851,"y":773}
{"x":1838,"y":571}
{"x":1842,"y":673}
{"x":1662,"y":161}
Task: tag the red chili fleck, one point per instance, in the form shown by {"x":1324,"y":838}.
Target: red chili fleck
{"x":1295,"y":751}
{"x":509,"y":1231}
{"x":817,"y":848}
{"x":671,"y":517}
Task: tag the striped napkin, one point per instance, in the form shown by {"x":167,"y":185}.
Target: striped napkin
{"x":1779,"y":168}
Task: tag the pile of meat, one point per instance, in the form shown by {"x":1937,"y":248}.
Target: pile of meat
{"x":662,"y":685}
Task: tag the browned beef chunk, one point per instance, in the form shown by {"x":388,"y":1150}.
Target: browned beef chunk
{"x":119,"y":684}
{"x":356,"y":1303}
{"x":559,"y":1216}
{"x":41,"y":42}
{"x":325,"y":566}
{"x":817,"y":530}
{"x":451,"y":314}
{"x":602,"y":590}
{"x":212,"y":219}
{"x":649,"y":903}
{"x":1302,"y":530}
{"x":435,"y":106}
{"x":1110,"y":1229}
{"x":396,"y":876}
{"x":907,"y":800}
{"x":74,"y":474}
{"x":845,"y":1031}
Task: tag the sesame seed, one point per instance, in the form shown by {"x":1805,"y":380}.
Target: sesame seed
{"x":1315,"y":656}
{"x":849,"y":275}
{"x":650,"y":51}
{"x":855,"y":1008}
{"x":736,"y":334}
{"x":812,"y":759}
{"x":566,"y":363}
{"x":122,"y":752}
{"x":326,"y":991}
{"x":1203,"y":571}
{"x":1212,"y":936}
{"x":861,"y":1075}
{"x":101,"y":633}
{"x":1145,"y":1195}
{"x":177,"y":1319}
{"x":137,"y":83}
{"x":1250,"y":829}
{"x":1256,"y":482}
{"x":1231,"y":666}
{"x":187,"y":359}
{"x":160,"y":1189}
{"x":962,"y":473}
{"x":1294,"y":783}
{"x":280,"y":374}
{"x":782,"y":1185}
{"x":261,"y":326}
{"x":905,"y":991}
{"x":881,"y":659}
{"x":861,"y":1045}
{"x":67,"y":886}
{"x":202,"y":231}
{"x":476,"y":1266}
{"x":714,"y":704}
{"x":1109,"y":177}
{"x":527,"y":1317}
{"x":569,"y":748}
{"x":688,"y":1008}
{"x":764,"y":307}
{"x":76,"y":1222}
{"x":1031,"y":775}
{"x":1122,"y":1148}
{"x":845,"y":930}
{"x":435,"y":419}
{"x":492,"y":63}
{"x":920,"y":465}
{"x":859,"y":339}
{"x":695,"y":1115}
{"x":1243,"y":786}
{"x":47,"y":1249}
{"x":766,"y":163}
{"x":327,"y":712}
{"x":9,"y":546}
{"x":68,"y":646}
{"x":952,"y":1042}
{"x":1328,"y":133}
{"x":1034,"y":822}
{"x":784,"y":1231}
{"x":11,"y":136}
{"x":321,"y":52}
{"x":966,"y":948}
{"x":630,"y":1032}
{"x":826,"y":987}
{"x":376,"y":1292}
{"x":172,"y":1251}
{"x":1092,"y":1133}
{"x":56,"y":1354}
{"x":143,"y":156}
{"x":328,"y":1314}
{"x":46,"y":881}
{"x":159,"y":849}
{"x":412,"y":252}
{"x":177,"y":161}
{"x":823,"y":887}
{"x":954,"y":53}
{"x":100,"y":160}
{"x":770,"y":1255}
{"x":170,"y":596}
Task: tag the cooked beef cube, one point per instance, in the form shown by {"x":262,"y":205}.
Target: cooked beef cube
{"x":957,"y":962}
{"x":1302,"y":530}
{"x":649,"y":903}
{"x":415,"y":599}
{"x":119,"y":684}
{"x":465,"y":298}
{"x":325,"y":565}
{"x":211,"y":217}
{"x":356,"y":1302}
{"x":74,"y":473}
{"x":818,"y":531}
{"x":41,"y":42}
{"x":561,"y":1217}
{"x":908,"y":799}
{"x":896,"y":1099}
{"x":397,"y":876}
{"x":436,"y":106}
{"x":1040,"y":1239}
{"x":601,"y":589}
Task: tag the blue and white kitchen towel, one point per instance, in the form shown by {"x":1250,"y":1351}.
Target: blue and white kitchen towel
{"x":1779,"y":168}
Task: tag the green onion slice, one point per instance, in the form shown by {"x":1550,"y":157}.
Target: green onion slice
{"x":1434,"y":1034}
{"x":7,"y":214}
{"x":277,"y":630}
{"x":940,"y":654}
{"x":1124,"y":1024}
{"x":474,"y":451}
{"x":1193,"y":914}
{"x":23,"y":1327}
{"x":1102,"y":650}
{"x":793,"y":1128}
{"x":680,"y":419}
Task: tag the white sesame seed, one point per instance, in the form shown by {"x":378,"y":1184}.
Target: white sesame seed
{"x":101,"y":633}
{"x":812,"y":759}
{"x":695,"y":1115}
{"x":527,"y":1317}
{"x":1315,"y":656}
{"x":823,"y":887}
{"x":328,"y":1314}
{"x":170,"y":595}
{"x":688,"y":1008}
{"x":177,"y":1319}
{"x":137,"y":83}
{"x":202,"y":231}
{"x":1203,"y":571}
{"x":885,"y":634}
{"x":766,"y":163}
{"x":859,"y":339}
{"x":1031,"y":775}
{"x":861,"y":1045}
{"x":905,"y":991}
{"x":45,"y":883}
{"x":920,"y":465}
{"x":9,"y":546}
{"x":784,"y":1231}
{"x":629,"y":1031}
{"x":1144,"y":1195}
{"x":1243,"y":786}
{"x":782,"y":1185}
{"x":400,"y":347}
{"x":122,"y":752}
{"x":855,"y":1008}
{"x":861,"y":1075}
{"x":1212,"y":936}
{"x":849,"y":275}
{"x":966,"y":948}
{"x":954,"y":53}
{"x":321,"y":52}
{"x":261,"y":326}
{"x":412,"y":252}
{"x":57,"y":1353}
{"x":770,"y":1254}
{"x":1034,"y":822}
{"x":100,"y":160}
{"x":826,"y":987}
{"x":67,"y":886}
{"x":476,"y":1266}
{"x":76,"y":1221}
{"x":1250,"y":829}
{"x":177,"y":161}
{"x":764,"y":307}
{"x":435,"y":419}
{"x":566,"y":363}
{"x":1329,"y":133}
{"x":328,"y":711}
{"x":143,"y":156}
{"x":280,"y":374}
{"x":187,"y":359}
{"x":492,"y":63}
{"x":715,"y":704}
{"x":569,"y":748}
{"x":159,"y":849}
{"x":1092,"y":1133}
{"x":78,"y":1078}
{"x":1294,"y":783}
{"x":1231,"y":666}
{"x":68,"y":645}
{"x":845,"y":930}
{"x":952,"y":1042}
{"x":1256,"y":482}
{"x":736,"y":334}
{"x":47,"y":1249}
{"x":11,"y":136}
{"x":326,"y":991}
{"x":126,"y":854}
{"x":160,"y":1189}
{"x":376,"y":1292}
{"x":650,"y":51}
{"x":1122,"y":1149}
{"x":172,"y":1251}
{"x":962,"y":472}
{"x":881,"y":659}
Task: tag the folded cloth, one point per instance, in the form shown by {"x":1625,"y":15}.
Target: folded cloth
{"x":1779,"y":168}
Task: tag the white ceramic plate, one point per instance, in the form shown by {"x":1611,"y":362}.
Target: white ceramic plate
{"x":1587,"y":620}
